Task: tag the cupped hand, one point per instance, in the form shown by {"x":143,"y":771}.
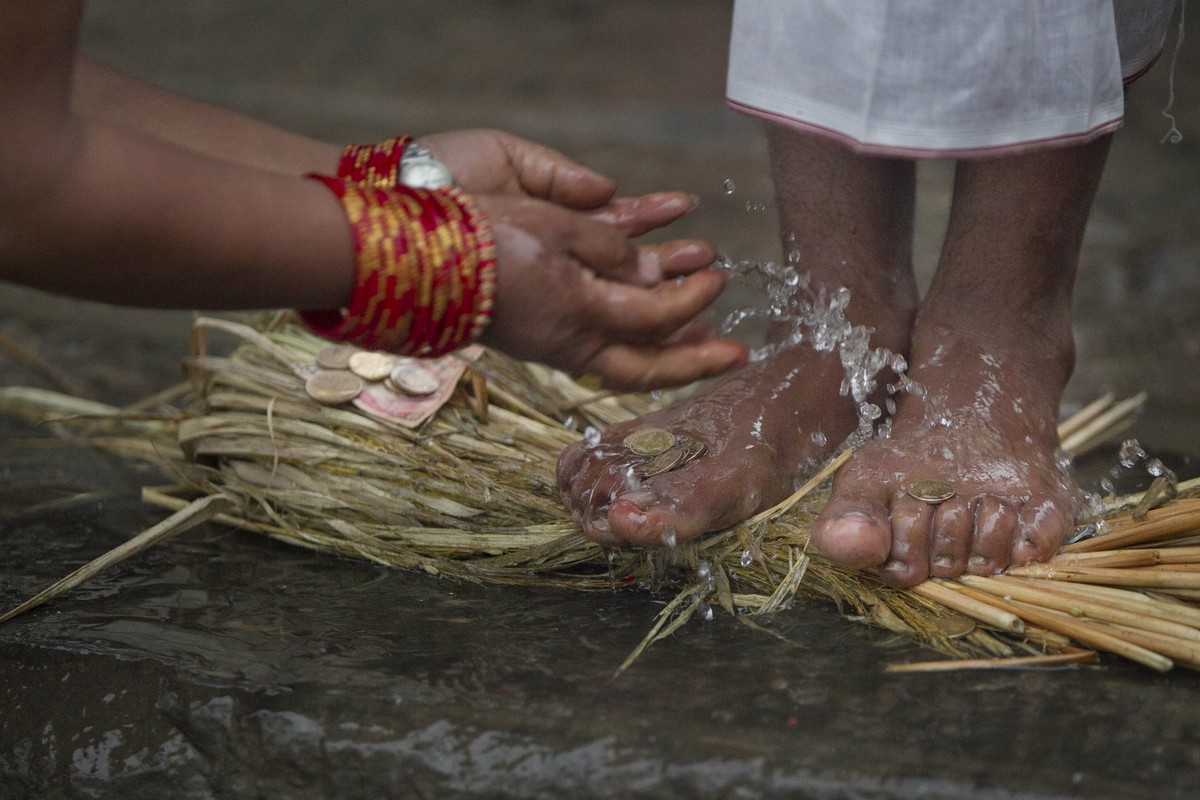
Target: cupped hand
{"x":574,"y":293}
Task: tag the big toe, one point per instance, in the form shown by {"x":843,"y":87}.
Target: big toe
{"x":855,"y":534}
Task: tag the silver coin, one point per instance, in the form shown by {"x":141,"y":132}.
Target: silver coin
{"x":372,"y":366}
{"x":649,"y":441}
{"x":932,"y":492}
{"x":333,"y":387}
{"x":414,"y":379}
{"x":335,"y":356}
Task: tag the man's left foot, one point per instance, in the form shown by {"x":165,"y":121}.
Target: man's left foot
{"x":986,"y":428}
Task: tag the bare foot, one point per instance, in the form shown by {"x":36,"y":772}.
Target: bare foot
{"x":987,"y":428}
{"x":848,"y":219}
{"x":762,"y":427}
{"x":993,"y":349}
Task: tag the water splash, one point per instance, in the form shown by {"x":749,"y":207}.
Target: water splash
{"x":1131,"y":453}
{"x":802,"y":313}
{"x":591,"y":437}
{"x":729,"y":187}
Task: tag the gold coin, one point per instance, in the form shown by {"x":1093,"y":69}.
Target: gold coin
{"x":663,"y":462}
{"x":335,"y":356}
{"x":932,"y":492}
{"x":414,"y":379}
{"x":332,"y":387}
{"x":693,"y":450}
{"x":372,"y":366}
{"x":954,"y":627}
{"x":649,"y":441}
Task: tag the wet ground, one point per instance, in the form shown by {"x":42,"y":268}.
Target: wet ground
{"x":222,"y":665}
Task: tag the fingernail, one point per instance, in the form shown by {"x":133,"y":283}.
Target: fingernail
{"x":695,"y":202}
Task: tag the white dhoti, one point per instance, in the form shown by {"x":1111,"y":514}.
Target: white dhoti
{"x":942,"y":78}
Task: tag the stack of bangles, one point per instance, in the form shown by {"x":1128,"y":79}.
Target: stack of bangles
{"x":425,"y":260}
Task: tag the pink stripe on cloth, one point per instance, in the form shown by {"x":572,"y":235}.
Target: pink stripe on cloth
{"x":887,"y":151}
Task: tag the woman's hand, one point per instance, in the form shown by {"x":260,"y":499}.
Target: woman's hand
{"x":573,"y":292}
{"x":493,"y":162}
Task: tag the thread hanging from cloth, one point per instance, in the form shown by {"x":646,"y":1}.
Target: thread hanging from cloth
{"x":1173,"y":134}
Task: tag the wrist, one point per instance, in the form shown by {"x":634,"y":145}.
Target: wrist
{"x":392,"y":163}
{"x":425,"y":270}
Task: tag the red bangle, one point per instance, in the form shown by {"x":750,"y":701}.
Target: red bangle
{"x":425,"y":265}
{"x":373,"y":164}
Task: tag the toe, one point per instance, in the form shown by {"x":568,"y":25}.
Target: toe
{"x":950,"y":538}
{"x":853,"y":531}
{"x":1042,"y":525}
{"x":908,"y":562}
{"x":991,"y":544}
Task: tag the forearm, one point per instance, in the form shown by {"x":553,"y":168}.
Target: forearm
{"x":104,"y":94}
{"x":132,"y":220}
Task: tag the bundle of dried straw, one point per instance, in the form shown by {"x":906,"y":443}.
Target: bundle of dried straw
{"x":471,"y":493}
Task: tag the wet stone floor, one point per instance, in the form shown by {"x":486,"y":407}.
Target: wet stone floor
{"x":222,"y":665}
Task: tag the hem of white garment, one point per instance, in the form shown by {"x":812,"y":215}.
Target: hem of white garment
{"x":889,"y":147}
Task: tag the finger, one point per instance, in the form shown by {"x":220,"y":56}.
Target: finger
{"x":607,"y":252}
{"x":550,"y":175}
{"x":635,"y":315}
{"x":679,"y":257}
{"x":630,"y":368}
{"x":638,"y":215}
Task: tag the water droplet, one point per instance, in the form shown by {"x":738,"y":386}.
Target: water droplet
{"x":1130,"y":453}
{"x":703,"y":571}
{"x":818,"y":439}
{"x":668,"y":538}
{"x":570,"y":423}
{"x":729,"y":186}
{"x":1106,"y":486}
{"x":591,"y":436}
{"x":890,"y":405}
{"x":705,"y":611}
{"x":747,"y":557}
{"x":632,"y":482}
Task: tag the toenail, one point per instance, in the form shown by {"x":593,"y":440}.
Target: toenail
{"x":601,"y":524}
{"x":979,"y":561}
{"x":943,"y":561}
{"x":895,"y":565}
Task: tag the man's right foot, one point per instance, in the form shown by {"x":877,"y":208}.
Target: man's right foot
{"x":765,"y":427}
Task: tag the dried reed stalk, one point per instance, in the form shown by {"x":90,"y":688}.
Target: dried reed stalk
{"x":472,"y":494}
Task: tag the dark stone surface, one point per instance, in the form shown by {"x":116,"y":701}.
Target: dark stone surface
{"x":222,"y":665}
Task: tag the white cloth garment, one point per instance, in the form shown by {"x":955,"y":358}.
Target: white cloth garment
{"x":942,"y":78}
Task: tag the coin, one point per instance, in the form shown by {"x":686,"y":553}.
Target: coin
{"x":693,"y":450}
{"x":372,"y":366}
{"x":414,"y":379}
{"x":335,"y":356}
{"x":649,"y":441}
{"x":954,"y":627}
{"x":663,"y":462}
{"x":332,"y":387}
{"x":932,"y":492}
